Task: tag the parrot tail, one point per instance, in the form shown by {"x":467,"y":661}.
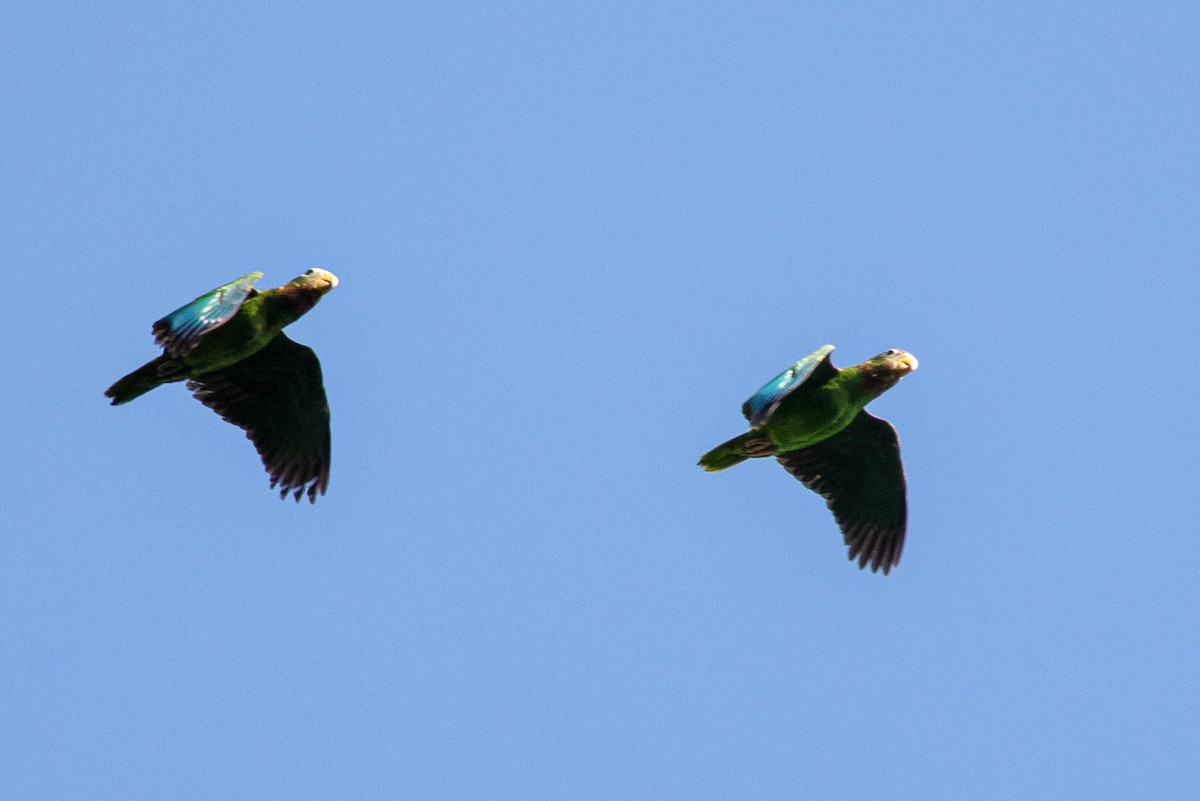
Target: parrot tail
{"x":157,"y":371}
{"x":737,"y":450}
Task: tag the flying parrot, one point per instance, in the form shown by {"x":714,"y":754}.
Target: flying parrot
{"x":811,"y":418}
{"x":230,"y":347}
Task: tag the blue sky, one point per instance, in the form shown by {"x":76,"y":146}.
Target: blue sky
{"x":571,"y":241}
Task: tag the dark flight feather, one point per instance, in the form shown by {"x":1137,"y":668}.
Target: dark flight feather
{"x":859,"y":473}
{"x":277,"y":397}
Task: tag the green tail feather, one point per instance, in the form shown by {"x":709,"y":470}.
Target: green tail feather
{"x":737,"y":450}
{"x":151,"y":374}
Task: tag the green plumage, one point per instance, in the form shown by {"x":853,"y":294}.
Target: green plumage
{"x":230,"y":347}
{"x":812,"y":419}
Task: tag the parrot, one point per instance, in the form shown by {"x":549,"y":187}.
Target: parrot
{"x":229,"y":346}
{"x":811,"y":417}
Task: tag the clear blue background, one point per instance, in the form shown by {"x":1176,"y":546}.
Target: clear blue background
{"x":572,"y":239}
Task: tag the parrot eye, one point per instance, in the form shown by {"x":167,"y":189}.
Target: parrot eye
{"x":308,"y":272}
{"x":892,"y":352}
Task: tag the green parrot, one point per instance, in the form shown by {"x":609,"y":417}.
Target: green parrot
{"x":811,"y":418}
{"x":230,"y":347}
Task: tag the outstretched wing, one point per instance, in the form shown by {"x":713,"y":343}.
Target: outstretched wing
{"x":278,"y":398}
{"x":763,"y":403}
{"x":859,"y":473}
{"x":180,"y":330}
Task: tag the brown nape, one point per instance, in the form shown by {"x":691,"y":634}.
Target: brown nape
{"x":296,"y":299}
{"x":878,"y":379}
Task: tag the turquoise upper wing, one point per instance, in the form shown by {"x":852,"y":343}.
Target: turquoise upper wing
{"x":180,"y":330}
{"x":763,"y":403}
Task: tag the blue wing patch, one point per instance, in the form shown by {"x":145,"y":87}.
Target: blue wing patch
{"x":180,"y":330}
{"x":763,"y":403}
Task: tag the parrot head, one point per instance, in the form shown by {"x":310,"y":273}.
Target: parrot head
{"x":883,"y":371}
{"x":321,"y":280}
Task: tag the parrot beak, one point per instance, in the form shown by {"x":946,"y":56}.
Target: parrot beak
{"x":324,"y":279}
{"x":901,"y":362}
